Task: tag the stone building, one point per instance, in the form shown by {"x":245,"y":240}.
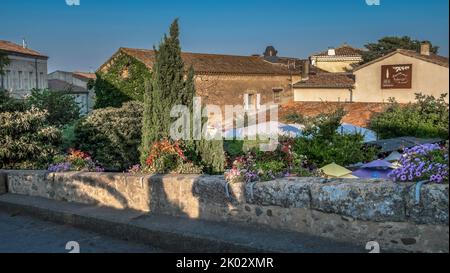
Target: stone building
{"x":400,"y":75}
{"x":77,"y":85}
{"x":341,"y":59}
{"x":27,"y":69}
{"x":233,"y":80}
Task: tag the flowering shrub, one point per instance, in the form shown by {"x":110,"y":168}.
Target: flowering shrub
{"x":425,"y":118}
{"x":427,"y":162}
{"x":135,"y":169}
{"x":168,"y":157}
{"x":26,"y":141}
{"x":264,"y":166}
{"x":75,"y":161}
{"x":112,"y":135}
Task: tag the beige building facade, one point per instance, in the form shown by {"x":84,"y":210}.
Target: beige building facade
{"x":234,"y":80}
{"x":399,"y":75}
{"x":429,"y":76}
{"x":337,"y":60}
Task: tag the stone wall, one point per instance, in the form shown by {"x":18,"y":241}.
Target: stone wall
{"x":356,"y":211}
{"x":230,"y":89}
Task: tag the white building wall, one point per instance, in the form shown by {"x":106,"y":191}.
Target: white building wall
{"x":24,"y":74}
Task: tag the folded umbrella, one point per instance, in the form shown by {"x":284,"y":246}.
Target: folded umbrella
{"x":378,"y":164}
{"x":394,"y":156}
{"x":336,"y":171}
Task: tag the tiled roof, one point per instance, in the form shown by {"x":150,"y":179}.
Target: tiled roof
{"x":85,"y":75}
{"x":327,"y":80}
{"x":432,"y":58}
{"x":296,"y":64}
{"x":358,"y":113}
{"x":12,"y":48}
{"x":219,"y":64}
{"x":343,"y":51}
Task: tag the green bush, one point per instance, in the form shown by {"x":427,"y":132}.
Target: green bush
{"x":322,"y":144}
{"x":428,"y":117}
{"x":8,"y":104}
{"x":112,"y":135}
{"x":62,"y":108}
{"x":26,"y":142}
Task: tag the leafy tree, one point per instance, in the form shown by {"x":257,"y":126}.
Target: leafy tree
{"x":387,"y":45}
{"x":8,"y":104}
{"x":4,"y":61}
{"x":61,"y":107}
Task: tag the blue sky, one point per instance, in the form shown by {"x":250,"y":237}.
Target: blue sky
{"x":83,"y":37}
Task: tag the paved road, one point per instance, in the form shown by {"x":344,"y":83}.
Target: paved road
{"x":23,"y":234}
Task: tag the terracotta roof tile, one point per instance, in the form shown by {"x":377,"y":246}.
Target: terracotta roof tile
{"x":220,"y":64}
{"x":358,"y":114}
{"x":345,"y":50}
{"x":327,"y":80}
{"x":12,"y":48}
{"x":432,"y":58}
{"x":85,"y":75}
{"x":58,"y":85}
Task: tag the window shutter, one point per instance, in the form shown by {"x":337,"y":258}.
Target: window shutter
{"x":246,"y":101}
{"x":258,"y":101}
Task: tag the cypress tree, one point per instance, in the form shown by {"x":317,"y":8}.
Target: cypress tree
{"x":170,"y":86}
{"x":166,"y":89}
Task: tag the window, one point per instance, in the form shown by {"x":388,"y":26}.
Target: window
{"x":277,"y":95}
{"x":252,"y":101}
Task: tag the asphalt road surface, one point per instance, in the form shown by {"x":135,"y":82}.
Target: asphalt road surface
{"x":23,"y":234}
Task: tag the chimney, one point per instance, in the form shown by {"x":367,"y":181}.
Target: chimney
{"x":305,"y":70}
{"x":425,"y":48}
{"x":270,"y":52}
{"x":24,"y":43}
{"x":331,"y":51}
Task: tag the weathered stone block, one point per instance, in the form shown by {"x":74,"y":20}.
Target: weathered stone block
{"x":294,"y":193}
{"x":32,"y":183}
{"x":432,"y":207}
{"x":363,"y":200}
{"x":212,"y":189}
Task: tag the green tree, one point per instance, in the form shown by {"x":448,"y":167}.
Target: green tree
{"x":387,"y":45}
{"x":172,"y":84}
{"x":61,"y":107}
{"x":4,"y":61}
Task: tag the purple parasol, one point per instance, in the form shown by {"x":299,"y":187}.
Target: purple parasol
{"x":372,"y":173}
